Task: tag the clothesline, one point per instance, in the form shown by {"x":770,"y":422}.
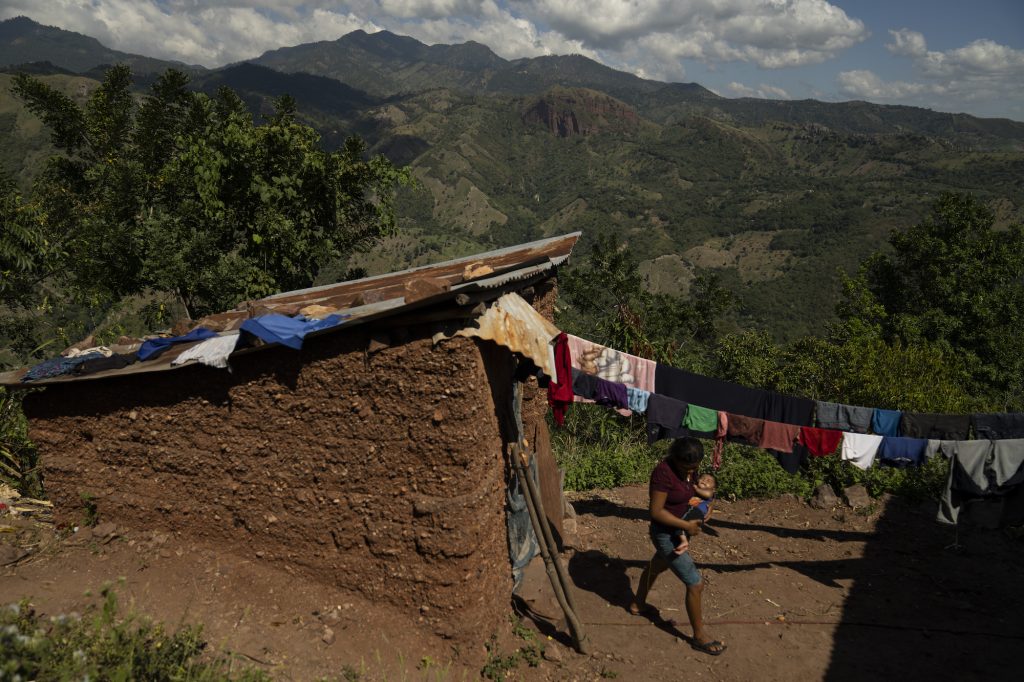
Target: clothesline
{"x":979,"y":469}
{"x":720,"y":395}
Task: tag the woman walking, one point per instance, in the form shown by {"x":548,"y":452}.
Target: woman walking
{"x":672,"y":486}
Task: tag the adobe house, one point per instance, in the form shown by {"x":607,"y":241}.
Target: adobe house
{"x":373,"y":458}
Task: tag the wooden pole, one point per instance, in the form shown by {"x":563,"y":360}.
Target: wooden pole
{"x":550,"y":561}
{"x":563,"y":576}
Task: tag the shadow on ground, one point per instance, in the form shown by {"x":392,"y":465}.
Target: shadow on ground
{"x":924,"y":609}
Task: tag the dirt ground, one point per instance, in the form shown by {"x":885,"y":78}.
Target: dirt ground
{"x":795,"y":592}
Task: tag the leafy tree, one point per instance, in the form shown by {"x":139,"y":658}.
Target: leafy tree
{"x":606,"y":300}
{"x":24,"y":251}
{"x":860,"y":370}
{"x":184,"y":193}
{"x":955,"y":283}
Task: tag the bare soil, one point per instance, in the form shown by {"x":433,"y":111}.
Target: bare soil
{"x":796,"y":593}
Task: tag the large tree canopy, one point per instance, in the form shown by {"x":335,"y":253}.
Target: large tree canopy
{"x":185,"y":193}
{"x":956,"y":282}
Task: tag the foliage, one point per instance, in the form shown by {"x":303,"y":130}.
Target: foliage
{"x":184,"y":193}
{"x":955,"y":282}
{"x":854,"y":368}
{"x":24,"y":252}
{"x":102,"y":645}
{"x":599,"y":449}
{"x":18,"y":455}
{"x":751,"y":472}
{"x":918,"y":484}
{"x":498,"y":666}
{"x":606,"y":300}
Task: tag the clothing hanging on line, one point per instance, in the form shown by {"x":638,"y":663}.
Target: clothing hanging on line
{"x":998,"y":426}
{"x":849,"y":418}
{"x":612,"y":365}
{"x":860,"y":449}
{"x":779,"y":437}
{"x":560,"y":393}
{"x":940,"y":426}
{"x":745,"y":430}
{"x":787,"y":409}
{"x":714,"y":394}
{"x":637,"y":399}
{"x":665,"y":418}
{"x":819,"y":442}
{"x":981,"y":469}
{"x":701,"y":422}
{"x":886,"y":422}
{"x":902,"y":452}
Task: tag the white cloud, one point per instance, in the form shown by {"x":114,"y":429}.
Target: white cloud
{"x":981,"y":73}
{"x":978,"y":59}
{"x":867,"y":84}
{"x":648,"y":37}
{"x":431,"y":9}
{"x":208,"y":33}
{"x":763,"y":91}
{"x":907,"y":43}
{"x":769,"y":33}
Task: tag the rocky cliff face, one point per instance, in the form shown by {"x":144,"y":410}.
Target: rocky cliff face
{"x":579,"y":112}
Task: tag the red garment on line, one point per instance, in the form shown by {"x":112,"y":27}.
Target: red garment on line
{"x":560,"y":395}
{"x":819,"y":442}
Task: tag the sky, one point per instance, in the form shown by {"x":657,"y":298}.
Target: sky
{"x":947,"y":55}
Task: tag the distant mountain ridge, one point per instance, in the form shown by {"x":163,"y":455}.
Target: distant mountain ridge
{"x":24,"y":41}
{"x":385,"y":64}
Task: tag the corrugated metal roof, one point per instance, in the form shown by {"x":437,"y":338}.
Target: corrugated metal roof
{"x":513,"y":323}
{"x":370,"y":298}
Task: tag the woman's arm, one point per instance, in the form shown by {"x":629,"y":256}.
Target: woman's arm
{"x":663,"y":516}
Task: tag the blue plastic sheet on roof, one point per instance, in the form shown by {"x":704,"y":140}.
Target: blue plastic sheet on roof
{"x":288,"y":331}
{"x":155,"y":347}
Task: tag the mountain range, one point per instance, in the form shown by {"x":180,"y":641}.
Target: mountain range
{"x":772,"y":195}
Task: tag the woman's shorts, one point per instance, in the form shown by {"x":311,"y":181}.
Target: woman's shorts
{"x":681,"y":564}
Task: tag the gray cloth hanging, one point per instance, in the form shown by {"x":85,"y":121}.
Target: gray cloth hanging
{"x":843,"y":417}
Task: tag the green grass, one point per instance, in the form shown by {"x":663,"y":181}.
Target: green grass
{"x":103,"y":645}
{"x":500,"y":666}
{"x":598,"y":449}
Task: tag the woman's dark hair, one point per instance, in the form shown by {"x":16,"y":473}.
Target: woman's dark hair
{"x":685,"y":453}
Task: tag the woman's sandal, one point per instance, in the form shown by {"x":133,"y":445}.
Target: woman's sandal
{"x":712,"y":648}
{"x":639,"y":609}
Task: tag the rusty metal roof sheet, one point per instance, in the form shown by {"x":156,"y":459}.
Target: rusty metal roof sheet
{"x":345,"y":295}
{"x":513,"y":323}
{"x":370,"y":298}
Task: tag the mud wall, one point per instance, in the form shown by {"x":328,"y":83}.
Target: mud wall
{"x":382,"y":472}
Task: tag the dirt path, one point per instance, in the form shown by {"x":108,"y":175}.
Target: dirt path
{"x":796,"y":593}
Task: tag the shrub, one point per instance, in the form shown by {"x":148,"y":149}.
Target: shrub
{"x":599,"y":449}
{"x":18,"y":455}
{"x":918,"y":484}
{"x":102,"y":646}
{"x":750,"y":472}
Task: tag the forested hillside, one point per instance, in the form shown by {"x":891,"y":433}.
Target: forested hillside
{"x":774,"y":197}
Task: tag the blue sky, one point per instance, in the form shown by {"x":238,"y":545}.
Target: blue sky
{"x":944,"y":55}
